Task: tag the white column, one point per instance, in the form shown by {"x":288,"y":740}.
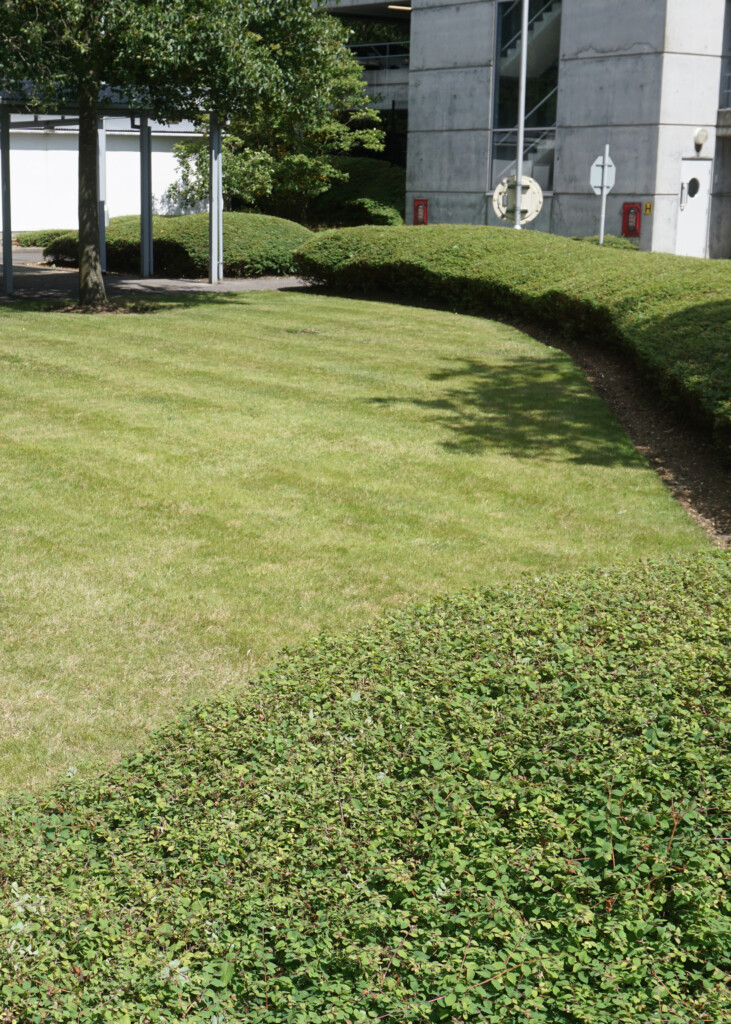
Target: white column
{"x":146,"y":251}
{"x":215,"y":206}
{"x":6,"y":227}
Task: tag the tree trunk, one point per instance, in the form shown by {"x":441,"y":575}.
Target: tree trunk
{"x":91,"y":281}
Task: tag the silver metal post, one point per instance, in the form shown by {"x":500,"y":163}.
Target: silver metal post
{"x":215,"y":227}
{"x":521,"y":114}
{"x":220,"y":206}
{"x":6,"y":226}
{"x":103,"y":215}
{"x":146,"y":257}
{"x":605,"y":168}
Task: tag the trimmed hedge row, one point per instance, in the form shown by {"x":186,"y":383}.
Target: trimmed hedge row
{"x":500,"y":807}
{"x":671,"y":314}
{"x":41,"y":237}
{"x":254,"y":245}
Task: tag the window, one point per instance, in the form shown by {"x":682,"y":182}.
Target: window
{"x":544,"y":36}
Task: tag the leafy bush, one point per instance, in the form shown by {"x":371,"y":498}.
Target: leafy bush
{"x":253,"y":245}
{"x":496,"y":808}
{"x":670,"y":313}
{"x":367,"y":211}
{"x":40,"y":238}
{"x":374,"y":193}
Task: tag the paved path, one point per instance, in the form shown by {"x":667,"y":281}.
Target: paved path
{"x":32,"y":279}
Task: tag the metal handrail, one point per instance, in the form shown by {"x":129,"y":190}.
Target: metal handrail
{"x":546,"y":98}
{"x":508,"y":133}
{"x":507,"y":47}
{"x":382,"y":55}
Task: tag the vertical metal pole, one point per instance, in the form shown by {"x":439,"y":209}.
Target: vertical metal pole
{"x":605,"y":168}
{"x":146,"y":264}
{"x":220,"y":205}
{"x":215,"y":226}
{"x":103,"y":216}
{"x":6,"y":227}
{"x":521,"y":114}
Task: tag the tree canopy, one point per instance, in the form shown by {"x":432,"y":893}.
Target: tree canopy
{"x":170,"y":58}
{"x":278,"y":149}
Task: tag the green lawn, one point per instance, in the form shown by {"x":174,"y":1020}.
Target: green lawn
{"x":186,"y":490}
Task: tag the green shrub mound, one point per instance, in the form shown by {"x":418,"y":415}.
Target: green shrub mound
{"x":611,"y":242}
{"x":671,"y":314}
{"x":254,"y":245}
{"x":40,"y":238}
{"x":375,"y":193}
{"x":506,"y":807}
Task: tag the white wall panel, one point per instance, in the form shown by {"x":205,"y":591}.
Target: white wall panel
{"x":44,"y":176}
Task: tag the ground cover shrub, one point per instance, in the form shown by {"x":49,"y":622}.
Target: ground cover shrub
{"x":253,"y":245}
{"x":611,"y":242}
{"x":671,"y":314}
{"x":497,"y":807}
{"x":374,"y":193}
{"x":42,"y":237}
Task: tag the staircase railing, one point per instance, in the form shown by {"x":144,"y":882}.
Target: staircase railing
{"x":533,"y":139}
{"x":534,"y":110}
{"x":377,"y":56}
{"x":507,"y":47}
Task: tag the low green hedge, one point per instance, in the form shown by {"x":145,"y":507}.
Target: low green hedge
{"x":253,"y":245}
{"x":500,"y":807}
{"x":40,"y":238}
{"x":671,"y":314}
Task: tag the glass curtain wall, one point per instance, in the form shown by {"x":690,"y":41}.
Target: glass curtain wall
{"x":544,"y":38}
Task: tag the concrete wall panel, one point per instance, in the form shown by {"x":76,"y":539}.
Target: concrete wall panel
{"x":423,"y":5}
{"x":695,"y":27}
{"x":447,"y":162}
{"x":595,"y":28}
{"x":450,"y":208}
{"x":579,"y":216}
{"x":610,"y":91}
{"x":388,"y":85}
{"x":665,"y":222}
{"x":691,"y":90}
{"x":457,"y":35}
{"x":450,"y":100}
{"x":633,"y":150}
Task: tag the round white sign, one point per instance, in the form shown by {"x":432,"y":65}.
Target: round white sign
{"x":504,"y":199}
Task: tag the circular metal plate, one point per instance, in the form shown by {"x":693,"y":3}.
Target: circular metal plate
{"x":504,"y":200}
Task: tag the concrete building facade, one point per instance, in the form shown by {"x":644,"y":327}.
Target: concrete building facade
{"x":651,"y":79}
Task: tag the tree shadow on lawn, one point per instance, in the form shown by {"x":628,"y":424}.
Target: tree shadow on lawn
{"x":530,"y":408}
{"x":127,"y":302}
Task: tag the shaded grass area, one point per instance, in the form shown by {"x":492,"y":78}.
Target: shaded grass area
{"x":670,"y":315}
{"x":187,"y":490}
